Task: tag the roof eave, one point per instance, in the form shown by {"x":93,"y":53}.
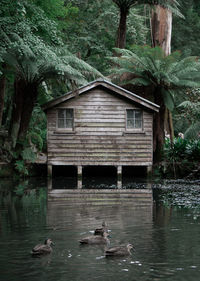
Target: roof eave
{"x":131,"y":96}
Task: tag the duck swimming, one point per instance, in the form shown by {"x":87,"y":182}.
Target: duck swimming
{"x":99,"y":231}
{"x":43,"y":249}
{"x":96,"y":239}
{"x":119,"y":251}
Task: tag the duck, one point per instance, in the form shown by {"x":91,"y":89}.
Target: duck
{"x":43,"y":249}
{"x":96,"y":239}
{"x":119,"y":250}
{"x":99,"y":231}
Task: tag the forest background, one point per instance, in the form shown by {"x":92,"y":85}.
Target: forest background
{"x":49,"y":47}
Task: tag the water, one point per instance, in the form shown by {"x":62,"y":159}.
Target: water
{"x":165,"y":235}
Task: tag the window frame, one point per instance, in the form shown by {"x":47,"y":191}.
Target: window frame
{"x":70,"y":129}
{"x":142,"y":120}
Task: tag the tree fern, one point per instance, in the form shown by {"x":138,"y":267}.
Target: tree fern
{"x":164,"y":75}
{"x":152,"y":67}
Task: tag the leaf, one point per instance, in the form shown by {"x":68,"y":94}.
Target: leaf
{"x":168,"y":99}
{"x":28,"y":155}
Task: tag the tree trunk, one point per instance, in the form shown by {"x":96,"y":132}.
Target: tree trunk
{"x":19,"y":91}
{"x":25,"y":96}
{"x":29,"y":101}
{"x":121,"y":32}
{"x":161,"y":28}
{"x":158,"y":127}
{"x":2,"y":96}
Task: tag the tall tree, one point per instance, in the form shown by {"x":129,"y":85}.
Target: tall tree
{"x":161,"y":23}
{"x":124,"y":7}
{"x":161,"y":12}
{"x":161,"y":34}
{"x":165,"y":75}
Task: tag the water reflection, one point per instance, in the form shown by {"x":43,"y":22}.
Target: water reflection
{"x":166,"y":239}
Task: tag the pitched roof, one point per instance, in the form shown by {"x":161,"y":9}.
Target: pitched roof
{"x":108,"y":85}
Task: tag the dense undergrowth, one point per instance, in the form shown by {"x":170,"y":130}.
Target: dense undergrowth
{"x":181,"y":159}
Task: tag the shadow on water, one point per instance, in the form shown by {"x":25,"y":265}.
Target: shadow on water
{"x":98,"y":177}
{"x":165,"y":234}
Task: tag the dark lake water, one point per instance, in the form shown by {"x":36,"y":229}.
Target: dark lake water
{"x":166,"y":236}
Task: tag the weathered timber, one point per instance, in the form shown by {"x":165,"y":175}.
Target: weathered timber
{"x":99,"y":135}
{"x":135,"y":197}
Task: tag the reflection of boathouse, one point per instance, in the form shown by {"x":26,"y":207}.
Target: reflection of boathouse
{"x":100,"y":124}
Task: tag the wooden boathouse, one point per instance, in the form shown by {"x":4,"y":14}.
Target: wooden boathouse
{"x":100,"y":124}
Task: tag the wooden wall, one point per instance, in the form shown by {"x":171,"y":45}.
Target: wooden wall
{"x":99,"y":136}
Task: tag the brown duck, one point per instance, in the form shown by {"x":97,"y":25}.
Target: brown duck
{"x":99,"y":231}
{"x":42,"y":249}
{"x":96,"y":239}
{"x":119,"y":251}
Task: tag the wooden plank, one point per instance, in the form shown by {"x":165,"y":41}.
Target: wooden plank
{"x":101,"y":153}
{"x":98,"y":163}
{"x":100,"y":129}
{"x":99,"y":125}
{"x":101,"y":121}
{"x":121,"y":151}
{"x":64,"y":145}
{"x":99,"y":158}
{"x":108,"y":196}
{"x":102,"y":191}
{"x":138,"y":138}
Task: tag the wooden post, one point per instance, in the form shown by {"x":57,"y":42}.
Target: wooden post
{"x":49,"y":170}
{"x":119,"y":176}
{"x":49,"y":183}
{"x":149,"y":171}
{"x":79,"y":184}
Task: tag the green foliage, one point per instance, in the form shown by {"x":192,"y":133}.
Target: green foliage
{"x":92,"y":31}
{"x":187,"y":117}
{"x":185,"y":35}
{"x":36,"y":135}
{"x":181,"y":157}
{"x":20,"y":189}
{"x":21,"y":167}
{"x":150,"y":67}
{"x":182,"y":149}
{"x":28,"y":154}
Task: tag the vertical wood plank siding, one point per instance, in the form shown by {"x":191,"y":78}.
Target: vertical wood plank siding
{"x":100,"y":136}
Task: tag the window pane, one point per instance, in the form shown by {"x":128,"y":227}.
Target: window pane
{"x":61,"y":113}
{"x":69,"y":123}
{"x":138,"y":123}
{"x":61,"y":123}
{"x":130,"y":113}
{"x":130,"y":123}
{"x":138,"y":114}
{"x":69,"y":113}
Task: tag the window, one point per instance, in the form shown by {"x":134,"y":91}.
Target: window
{"x":65,"y":118}
{"x":134,"y":119}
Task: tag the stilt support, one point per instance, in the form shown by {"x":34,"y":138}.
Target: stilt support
{"x":79,"y":184}
{"x":119,"y":176}
{"x":49,"y":183}
{"x":149,"y":171}
{"x":49,"y":170}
